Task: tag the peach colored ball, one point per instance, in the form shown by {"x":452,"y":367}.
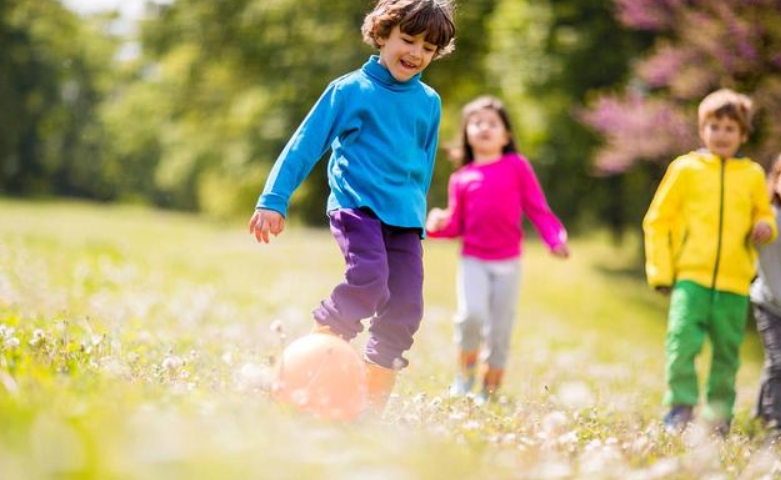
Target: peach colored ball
{"x":323,"y":375}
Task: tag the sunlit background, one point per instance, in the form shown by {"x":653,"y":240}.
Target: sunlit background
{"x":136,"y":311}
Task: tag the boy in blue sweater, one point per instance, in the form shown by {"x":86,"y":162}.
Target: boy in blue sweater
{"x":381,"y":124}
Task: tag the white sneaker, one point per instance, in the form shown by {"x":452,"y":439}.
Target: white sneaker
{"x":461,"y":386}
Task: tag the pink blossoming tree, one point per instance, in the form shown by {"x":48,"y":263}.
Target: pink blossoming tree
{"x":701,"y":45}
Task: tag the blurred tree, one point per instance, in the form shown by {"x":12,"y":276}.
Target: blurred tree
{"x":196,"y":120}
{"x":700,"y":46}
{"x":52,"y":72}
{"x":237,"y":88}
{"x":225,"y":83}
{"x":547,"y":58}
{"x":459,"y":78}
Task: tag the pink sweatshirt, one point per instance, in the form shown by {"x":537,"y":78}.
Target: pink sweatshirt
{"x":487,"y":203}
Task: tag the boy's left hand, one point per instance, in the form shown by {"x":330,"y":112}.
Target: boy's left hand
{"x":761,"y":233}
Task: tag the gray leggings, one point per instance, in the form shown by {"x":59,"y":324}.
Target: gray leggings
{"x":487,"y":294}
{"x":769,"y":398}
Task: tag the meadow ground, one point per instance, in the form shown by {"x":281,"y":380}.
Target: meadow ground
{"x":136,"y":344}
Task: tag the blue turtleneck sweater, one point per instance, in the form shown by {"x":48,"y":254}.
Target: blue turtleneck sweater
{"x":383,"y":139}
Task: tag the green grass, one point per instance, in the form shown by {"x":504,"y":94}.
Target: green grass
{"x":137,"y":344}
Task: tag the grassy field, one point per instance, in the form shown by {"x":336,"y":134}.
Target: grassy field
{"x":136,"y":344}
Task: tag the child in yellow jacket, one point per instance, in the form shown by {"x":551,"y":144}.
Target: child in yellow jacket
{"x":709,"y":211}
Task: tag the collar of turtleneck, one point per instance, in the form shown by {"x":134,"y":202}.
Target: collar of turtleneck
{"x":380,"y":73}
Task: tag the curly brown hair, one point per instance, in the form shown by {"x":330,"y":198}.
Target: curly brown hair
{"x":434,"y":17}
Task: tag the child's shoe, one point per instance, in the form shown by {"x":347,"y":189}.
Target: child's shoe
{"x":379,"y":385}
{"x":465,"y":378}
{"x":492,"y":380}
{"x":678,"y":418}
{"x":461,"y":385}
{"x":484,"y":397}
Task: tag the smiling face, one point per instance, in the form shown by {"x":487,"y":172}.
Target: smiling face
{"x":486,"y":134}
{"x":722,"y":135}
{"x":405,"y":55}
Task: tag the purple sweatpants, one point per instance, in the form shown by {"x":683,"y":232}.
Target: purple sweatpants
{"x":383,"y":280}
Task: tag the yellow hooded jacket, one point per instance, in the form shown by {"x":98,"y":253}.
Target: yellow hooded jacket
{"x":700,"y":220}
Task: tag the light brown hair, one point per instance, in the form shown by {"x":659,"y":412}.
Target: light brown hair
{"x":434,"y":17}
{"x":726,"y":103}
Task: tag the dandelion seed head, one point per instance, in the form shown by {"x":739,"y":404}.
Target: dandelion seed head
{"x":599,"y":459}
{"x":277,"y":327}
{"x":114,"y":367}
{"x":172,"y":362}
{"x":554,"y":422}
{"x":6,"y":331}
{"x":38,"y":337}
{"x":569,"y":438}
{"x":253,"y":376}
{"x":575,"y":395}
{"x":227,"y":358}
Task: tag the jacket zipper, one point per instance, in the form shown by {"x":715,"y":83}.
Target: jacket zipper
{"x":721,"y":224}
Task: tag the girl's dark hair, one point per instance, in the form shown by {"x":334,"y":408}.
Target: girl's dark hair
{"x":463,"y":154}
{"x":772,"y":181}
{"x":435,"y":17}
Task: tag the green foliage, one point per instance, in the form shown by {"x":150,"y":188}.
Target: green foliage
{"x":238,"y":87}
{"x":196,"y":120}
{"x":252,"y":77}
{"x":54,"y":72}
{"x":549,"y":57}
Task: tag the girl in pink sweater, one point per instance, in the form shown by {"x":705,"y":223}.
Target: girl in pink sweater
{"x":487,"y":199}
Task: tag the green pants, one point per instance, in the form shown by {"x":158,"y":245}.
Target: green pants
{"x":696,"y":311}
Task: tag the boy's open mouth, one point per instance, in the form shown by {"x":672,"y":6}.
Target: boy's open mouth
{"x":406,"y":64}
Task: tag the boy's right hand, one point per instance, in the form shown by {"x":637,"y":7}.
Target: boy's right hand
{"x":761,"y":233}
{"x":264,"y":222}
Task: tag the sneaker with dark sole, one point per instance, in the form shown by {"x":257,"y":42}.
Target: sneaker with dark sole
{"x":678,"y":418}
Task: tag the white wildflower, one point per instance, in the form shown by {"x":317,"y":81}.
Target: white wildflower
{"x":254,"y":376}
{"x":277,"y":327}
{"x":575,"y":395}
{"x":172,"y":362}
{"x":554,"y":422}
{"x":39,"y":336}
{"x":6,"y":331}
{"x":227,"y":358}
